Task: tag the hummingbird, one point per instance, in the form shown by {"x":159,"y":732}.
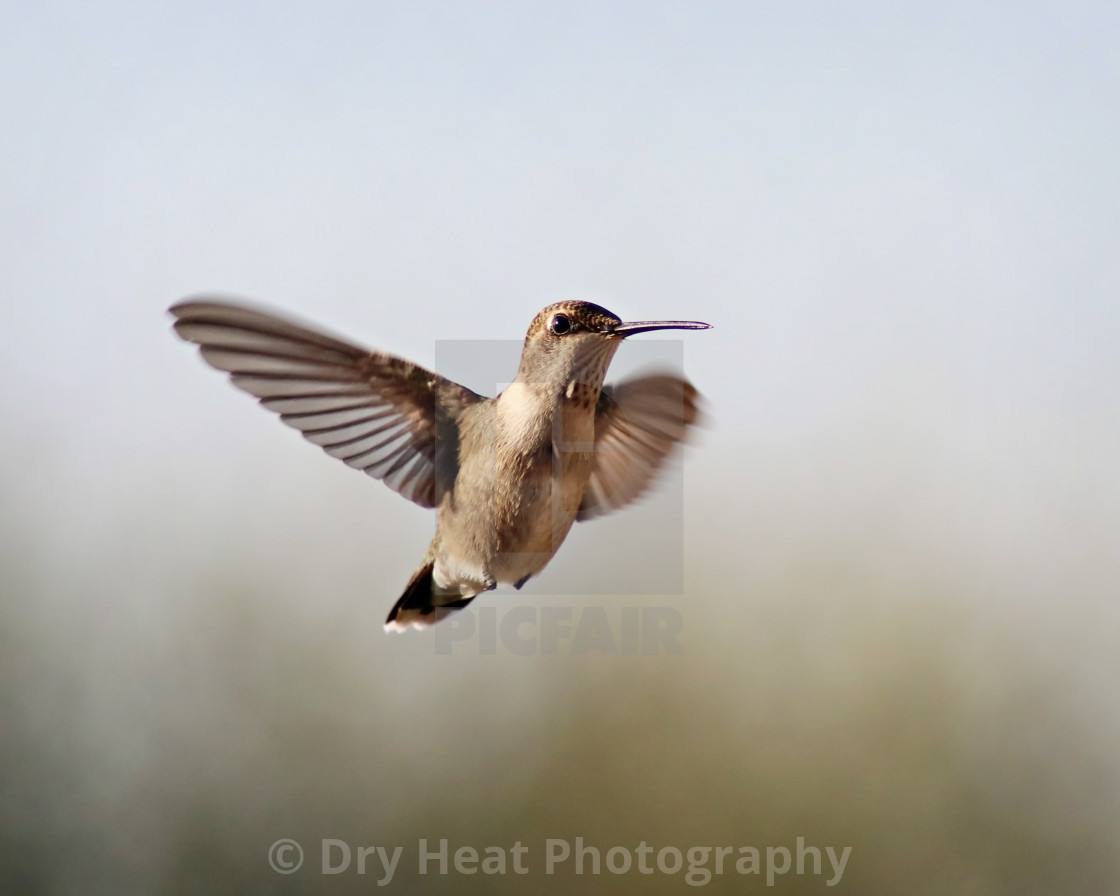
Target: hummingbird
{"x":508,"y":476}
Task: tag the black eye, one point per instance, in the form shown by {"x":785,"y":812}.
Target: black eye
{"x":560,"y":325}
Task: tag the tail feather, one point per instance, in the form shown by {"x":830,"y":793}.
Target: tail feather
{"x":421,"y":605}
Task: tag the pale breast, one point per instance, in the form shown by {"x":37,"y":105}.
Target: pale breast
{"x":522,"y":478}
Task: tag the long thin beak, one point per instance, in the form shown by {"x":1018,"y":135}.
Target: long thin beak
{"x":644,"y":326}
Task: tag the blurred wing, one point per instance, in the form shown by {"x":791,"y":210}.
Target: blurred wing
{"x":375,"y":412}
{"x":637,"y":423}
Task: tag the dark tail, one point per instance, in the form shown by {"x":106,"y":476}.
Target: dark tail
{"x":421,"y":605}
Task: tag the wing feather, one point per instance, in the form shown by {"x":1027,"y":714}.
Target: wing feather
{"x":638,"y":422}
{"x":376,"y":412}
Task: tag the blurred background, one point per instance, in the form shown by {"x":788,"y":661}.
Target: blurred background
{"x":899,"y":530}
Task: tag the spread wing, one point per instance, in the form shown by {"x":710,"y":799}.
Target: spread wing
{"x":637,"y":424}
{"x":375,"y":412}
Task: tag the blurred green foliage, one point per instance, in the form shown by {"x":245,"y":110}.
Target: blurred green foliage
{"x":166,"y":754}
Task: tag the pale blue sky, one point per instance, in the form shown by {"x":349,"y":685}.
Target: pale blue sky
{"x":902,"y":221}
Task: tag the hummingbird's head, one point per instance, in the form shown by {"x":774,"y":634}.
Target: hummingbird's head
{"x":575,"y":341}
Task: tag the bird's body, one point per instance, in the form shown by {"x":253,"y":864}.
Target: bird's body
{"x":508,"y":476}
{"x":517,"y":494}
